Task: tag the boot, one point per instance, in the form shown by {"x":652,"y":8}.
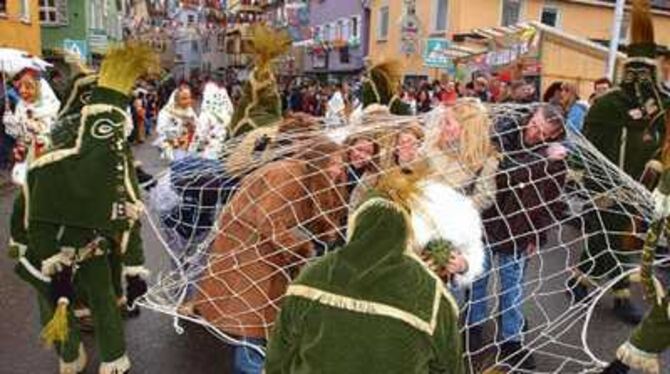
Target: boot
{"x":75,"y":367}
{"x":515,"y":356}
{"x":626,"y":311}
{"x":616,"y":367}
{"x":577,"y":291}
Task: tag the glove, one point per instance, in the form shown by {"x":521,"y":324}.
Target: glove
{"x":661,"y":204}
{"x":136,"y":287}
{"x":62,"y":285}
{"x":12,"y":126}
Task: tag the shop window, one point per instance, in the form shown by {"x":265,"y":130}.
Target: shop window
{"x":441,"y":12}
{"x":550,"y":16}
{"x":383,"y":24}
{"x":511,"y":12}
{"x":3,"y":6}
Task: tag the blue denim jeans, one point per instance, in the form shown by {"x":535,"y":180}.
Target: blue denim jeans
{"x":511,"y":269}
{"x":247,"y":360}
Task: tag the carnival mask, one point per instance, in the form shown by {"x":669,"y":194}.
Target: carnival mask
{"x":640,"y":82}
{"x":28,"y":88}
{"x":184,"y":99}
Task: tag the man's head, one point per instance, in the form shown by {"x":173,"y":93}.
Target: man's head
{"x":522,"y":91}
{"x":481,"y":85}
{"x":361,"y":152}
{"x":601,"y":86}
{"x":545,"y":125}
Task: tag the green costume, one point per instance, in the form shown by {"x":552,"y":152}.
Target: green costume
{"x":626,"y":125}
{"x":80,"y":208}
{"x":260,"y":105}
{"x":380,"y":86}
{"x":371,"y":307}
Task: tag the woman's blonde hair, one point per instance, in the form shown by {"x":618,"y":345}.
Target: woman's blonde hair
{"x":475,"y":141}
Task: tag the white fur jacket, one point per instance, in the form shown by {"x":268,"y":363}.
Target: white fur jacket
{"x":443,"y":213}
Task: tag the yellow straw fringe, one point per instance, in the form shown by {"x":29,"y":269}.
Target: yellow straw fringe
{"x":124,"y":64}
{"x":58,"y":328}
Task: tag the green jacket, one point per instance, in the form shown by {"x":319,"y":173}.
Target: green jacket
{"x":371,"y":307}
{"x":612,"y":120}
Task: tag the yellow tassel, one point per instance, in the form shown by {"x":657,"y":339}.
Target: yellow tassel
{"x":57,"y":329}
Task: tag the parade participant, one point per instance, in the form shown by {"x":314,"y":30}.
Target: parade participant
{"x":264,"y":239}
{"x":177,"y":123}
{"x":32,"y":120}
{"x":260,"y":105}
{"x":362,"y":159}
{"x":373,"y":306}
{"x":528,"y":186}
{"x":381,"y":85}
{"x":575,"y":109}
{"x":460,"y":150}
{"x":626,"y":125}
{"x":80,"y":208}
{"x":215,"y":115}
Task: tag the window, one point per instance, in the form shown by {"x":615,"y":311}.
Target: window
{"x":191,"y":19}
{"x":383,"y":28}
{"x":317,"y":33}
{"x":344,"y":55}
{"x":511,"y":12}
{"x":623,"y":31}
{"x":355,"y":27}
{"x":441,"y":15}
{"x":24,"y":12}
{"x":550,"y":16}
{"x":326,"y":33}
{"x":3,"y":6}
{"x":48,"y":11}
{"x":339,"y":34}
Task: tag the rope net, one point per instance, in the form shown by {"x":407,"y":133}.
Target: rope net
{"x":239,"y":228}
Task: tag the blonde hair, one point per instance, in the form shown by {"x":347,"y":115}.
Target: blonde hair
{"x":475,"y":140}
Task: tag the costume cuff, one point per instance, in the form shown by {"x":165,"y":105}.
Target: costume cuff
{"x":639,"y":359}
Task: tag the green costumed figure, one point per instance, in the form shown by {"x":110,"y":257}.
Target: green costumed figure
{"x":626,"y":125}
{"x":652,"y":336}
{"x":373,"y":306}
{"x":260,"y":105}
{"x":80,"y":211}
{"x":381,"y":85}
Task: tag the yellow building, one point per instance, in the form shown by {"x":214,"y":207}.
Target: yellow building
{"x":20,"y":25}
{"x":448,"y":19}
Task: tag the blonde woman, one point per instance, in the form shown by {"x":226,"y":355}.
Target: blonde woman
{"x":460,"y":152}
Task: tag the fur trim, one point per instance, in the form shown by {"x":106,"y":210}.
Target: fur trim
{"x":77,"y":366}
{"x":637,"y":359}
{"x":622,"y":294}
{"x":132,"y":271}
{"x":118,"y":366}
{"x":655,"y":165}
{"x":442,"y":213}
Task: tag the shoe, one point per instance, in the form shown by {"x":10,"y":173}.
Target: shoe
{"x":616,"y":367}
{"x":514,"y":355}
{"x":146,"y":180}
{"x":626,"y":311}
{"x":577,"y":292}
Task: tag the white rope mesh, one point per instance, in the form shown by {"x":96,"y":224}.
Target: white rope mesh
{"x":236,"y":238}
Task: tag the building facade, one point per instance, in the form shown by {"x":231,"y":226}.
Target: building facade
{"x":340,"y":37}
{"x":20,"y":25}
{"x":392,"y":34}
{"x":84,"y":27}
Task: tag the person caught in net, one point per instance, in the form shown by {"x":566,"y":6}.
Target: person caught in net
{"x":266,"y":233}
{"x":527,"y":204}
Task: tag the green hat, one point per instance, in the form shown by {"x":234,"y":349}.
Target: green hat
{"x":380,"y":86}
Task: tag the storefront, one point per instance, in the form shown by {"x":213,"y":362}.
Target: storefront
{"x":530,"y":51}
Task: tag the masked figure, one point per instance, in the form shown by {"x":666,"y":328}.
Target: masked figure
{"x":32,"y":120}
{"x":75,"y":223}
{"x":626,"y":125}
{"x":215,"y":116}
{"x":177,"y":124}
